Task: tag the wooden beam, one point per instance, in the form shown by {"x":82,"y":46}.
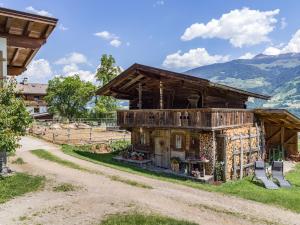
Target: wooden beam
{"x":27,"y":29}
{"x":134,"y":80}
{"x":273,"y":135}
{"x":47,"y":31}
{"x":282,"y":141}
{"x":15,"y":56}
{"x":161,"y":95}
{"x":140,"y":96}
{"x":8,"y":24}
{"x":115,"y":90}
{"x":289,"y":138}
{"x":18,"y":41}
{"x":14,"y":70}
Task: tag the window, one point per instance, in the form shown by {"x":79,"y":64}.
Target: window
{"x":36,"y":110}
{"x":178,"y":141}
{"x":36,"y":98}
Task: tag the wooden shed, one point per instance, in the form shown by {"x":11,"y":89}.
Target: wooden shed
{"x":193,"y":126}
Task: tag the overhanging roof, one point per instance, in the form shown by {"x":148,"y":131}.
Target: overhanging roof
{"x":279,"y":117}
{"x":134,"y":73}
{"x":25,"y":34}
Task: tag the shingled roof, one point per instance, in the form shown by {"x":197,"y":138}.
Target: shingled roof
{"x":32,"y":88}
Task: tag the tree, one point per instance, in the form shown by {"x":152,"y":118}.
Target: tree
{"x":68,"y":96}
{"x":14,"y":118}
{"x":107,"y":71}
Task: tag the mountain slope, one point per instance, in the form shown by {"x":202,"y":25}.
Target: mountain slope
{"x":278,"y":76}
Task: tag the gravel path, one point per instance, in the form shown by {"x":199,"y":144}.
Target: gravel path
{"x":99,"y":196}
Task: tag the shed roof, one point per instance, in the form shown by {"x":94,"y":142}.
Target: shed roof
{"x":32,"y":88}
{"x":136,"y":72}
{"x":25,"y":34}
{"x":279,"y":117}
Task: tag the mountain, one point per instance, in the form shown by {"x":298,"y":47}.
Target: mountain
{"x":278,"y":76}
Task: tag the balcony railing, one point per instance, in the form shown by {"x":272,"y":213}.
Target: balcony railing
{"x":205,"y":118}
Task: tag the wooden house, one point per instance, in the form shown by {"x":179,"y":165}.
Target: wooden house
{"x":189,"y":124}
{"x":33,"y":95}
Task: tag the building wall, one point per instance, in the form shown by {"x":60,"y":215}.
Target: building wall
{"x":205,"y":144}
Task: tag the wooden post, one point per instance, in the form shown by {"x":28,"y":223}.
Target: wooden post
{"x":91,"y":134}
{"x":234,"y":163}
{"x":161,"y":95}
{"x":69,"y":135}
{"x":214,"y":149}
{"x":258,"y":133}
{"x":140,"y":95}
{"x":282,"y":141}
{"x":241,"y":159}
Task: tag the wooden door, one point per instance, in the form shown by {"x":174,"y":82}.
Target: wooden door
{"x":162,"y":154}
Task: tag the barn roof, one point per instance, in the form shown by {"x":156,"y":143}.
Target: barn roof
{"x":25,"y":34}
{"x":279,"y":117}
{"x":137,"y":72}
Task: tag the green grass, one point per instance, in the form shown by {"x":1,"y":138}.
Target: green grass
{"x":142,"y":219}
{"x":130,"y":182}
{"x":286,"y":198}
{"x":43,"y":154}
{"x":18,"y":160}
{"x":19,"y":184}
{"x":65,"y":187}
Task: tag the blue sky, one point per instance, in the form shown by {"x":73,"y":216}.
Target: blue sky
{"x":177,"y":35}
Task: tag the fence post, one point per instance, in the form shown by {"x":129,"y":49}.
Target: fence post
{"x":91,"y":134}
{"x":69,"y":134}
{"x":53,"y":137}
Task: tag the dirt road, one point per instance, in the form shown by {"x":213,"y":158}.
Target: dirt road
{"x":100,"y":196}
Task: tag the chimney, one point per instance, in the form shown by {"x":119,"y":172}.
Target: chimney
{"x":24,"y":81}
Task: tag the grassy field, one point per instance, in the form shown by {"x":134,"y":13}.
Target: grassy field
{"x":142,"y":219}
{"x":287,"y":198}
{"x":19,"y":184}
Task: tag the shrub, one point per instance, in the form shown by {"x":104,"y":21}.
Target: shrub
{"x":120,"y":145}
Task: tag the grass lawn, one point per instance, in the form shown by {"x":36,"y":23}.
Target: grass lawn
{"x":287,"y":198}
{"x":19,"y":184}
{"x":142,"y":219}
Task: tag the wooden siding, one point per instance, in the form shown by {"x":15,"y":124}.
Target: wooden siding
{"x":206,"y":119}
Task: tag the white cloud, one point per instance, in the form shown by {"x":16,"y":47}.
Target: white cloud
{"x":73,"y":69}
{"x":240,"y":26}
{"x":159,"y":3}
{"x":247,"y":55}
{"x":113,"y":39}
{"x":39,"y":12}
{"x":283,"y":23}
{"x":72,"y":58}
{"x":293,"y":46}
{"x":272,"y":51}
{"x":106,"y":35}
{"x":192,"y":58}
{"x":116,"y":43}
{"x":62,"y":27}
{"x":38,"y":70}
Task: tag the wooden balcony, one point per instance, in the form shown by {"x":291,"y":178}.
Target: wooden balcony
{"x":205,"y":118}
